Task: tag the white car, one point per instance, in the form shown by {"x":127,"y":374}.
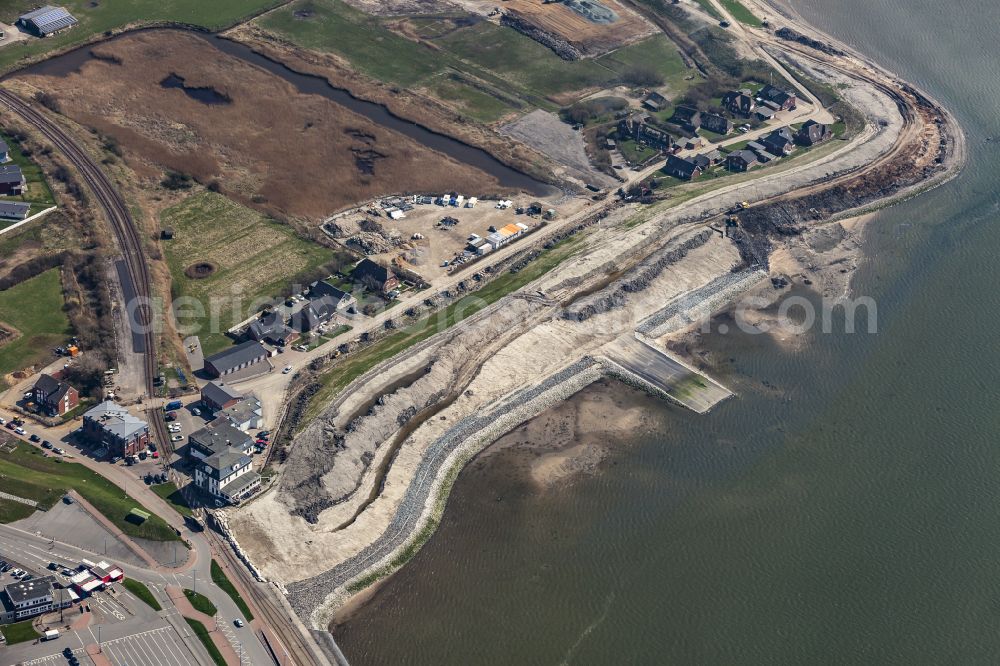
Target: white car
{"x":238,"y":622}
{"x":177,"y":438}
{"x":287,"y":369}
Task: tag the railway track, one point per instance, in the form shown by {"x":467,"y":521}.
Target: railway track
{"x":141,"y":316}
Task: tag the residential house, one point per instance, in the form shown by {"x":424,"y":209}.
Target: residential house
{"x":110,"y":425}
{"x":685,"y":169}
{"x":14,"y":210}
{"x":315,"y":313}
{"x":638,"y":128}
{"x":687,"y":117}
{"x":741,"y":160}
{"x":234,"y":359}
{"x":12,"y":181}
{"x":217,"y":396}
{"x":375,"y":276}
{"x":694,"y":143}
{"x":46,"y":21}
{"x":784,"y":99}
{"x":218,"y":437}
{"x":715,"y":157}
{"x":780,"y":141}
{"x":713,"y":122}
{"x":341,"y":298}
{"x":739,"y":102}
{"x":812,"y":133}
{"x":701,"y":161}
{"x":271,"y":327}
{"x":54,"y":397}
{"x":655,"y":101}
{"x":227,"y":476}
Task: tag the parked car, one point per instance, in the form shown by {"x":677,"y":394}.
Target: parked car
{"x":20,"y":431}
{"x":35,"y":438}
{"x":156,"y":454}
{"x":177,"y":438}
{"x":58,"y":451}
{"x":238,"y":622}
{"x":287,"y":369}
{"x":2,"y":420}
{"x":46,"y":444}
{"x":68,"y":500}
{"x":148,"y":479}
{"x":53,"y":566}
{"x":196,"y":411}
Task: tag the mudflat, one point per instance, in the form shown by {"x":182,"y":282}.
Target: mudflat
{"x":173,"y":101}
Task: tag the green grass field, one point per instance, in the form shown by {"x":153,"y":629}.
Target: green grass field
{"x":255,"y":259}
{"x":219,"y":578}
{"x":500,"y":57}
{"x":25,"y":472}
{"x":98,"y":17}
{"x":19,"y":632}
{"x":741,"y":13}
{"x":172,"y":495}
{"x":35,"y":309}
{"x":201,"y":603}
{"x":11,"y":510}
{"x":202,"y":633}
{"x":142,"y":592}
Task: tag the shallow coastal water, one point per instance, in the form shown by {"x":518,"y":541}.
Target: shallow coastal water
{"x":844,"y":509}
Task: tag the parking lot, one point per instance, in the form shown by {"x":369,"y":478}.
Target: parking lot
{"x":149,"y":648}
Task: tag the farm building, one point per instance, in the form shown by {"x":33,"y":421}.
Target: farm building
{"x":245,"y":355}
{"x":47,"y":20}
{"x":12,"y":180}
{"x":14,"y":210}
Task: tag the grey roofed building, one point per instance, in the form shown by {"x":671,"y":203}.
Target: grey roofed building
{"x":812,"y":133}
{"x":763,"y":113}
{"x":244,"y":415}
{"x":218,"y":438}
{"x":782,"y":98}
{"x":741,"y":160}
{"x":780,"y":141}
{"x":322,"y":288}
{"x":217,"y":395}
{"x":316,"y":312}
{"x":11,"y":178}
{"x":116,"y":420}
{"x":686,"y":116}
{"x":716,"y":123}
{"x":14,"y":210}
{"x":236,"y":358}
{"x":47,"y":20}
{"x":270,"y":327}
